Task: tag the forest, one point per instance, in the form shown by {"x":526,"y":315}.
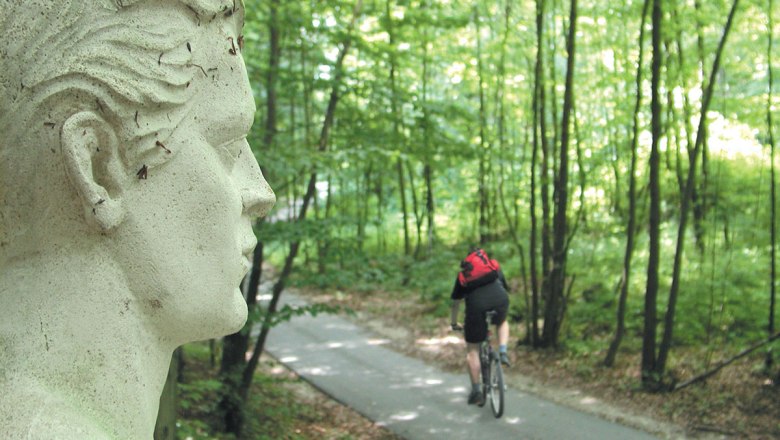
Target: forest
{"x":617,"y":157}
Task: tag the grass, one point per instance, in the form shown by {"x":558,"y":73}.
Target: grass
{"x":281,"y":406}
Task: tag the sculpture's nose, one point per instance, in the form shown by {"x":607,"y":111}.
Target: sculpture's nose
{"x":256,"y":195}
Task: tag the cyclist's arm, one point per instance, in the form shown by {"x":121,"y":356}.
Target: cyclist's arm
{"x":454,"y":311}
{"x":456,"y":297}
{"x":503,"y":280}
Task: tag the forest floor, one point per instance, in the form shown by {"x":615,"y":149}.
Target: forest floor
{"x":282,"y":406}
{"x":738,"y":402}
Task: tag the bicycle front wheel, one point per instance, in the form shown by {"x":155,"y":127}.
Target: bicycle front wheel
{"x":496,"y":387}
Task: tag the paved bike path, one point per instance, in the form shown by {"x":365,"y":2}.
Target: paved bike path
{"x":414,"y":399}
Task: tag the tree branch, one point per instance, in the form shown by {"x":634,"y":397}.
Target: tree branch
{"x":725,"y":363}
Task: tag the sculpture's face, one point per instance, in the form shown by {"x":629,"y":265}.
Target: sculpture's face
{"x":187,"y":235}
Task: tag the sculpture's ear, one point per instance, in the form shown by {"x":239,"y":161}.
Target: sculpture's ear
{"x":91,"y":154}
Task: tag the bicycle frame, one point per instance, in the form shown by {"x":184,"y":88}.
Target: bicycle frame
{"x":492,"y":373}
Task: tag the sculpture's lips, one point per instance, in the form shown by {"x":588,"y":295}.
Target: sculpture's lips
{"x":247,"y":266}
{"x":247,"y":251}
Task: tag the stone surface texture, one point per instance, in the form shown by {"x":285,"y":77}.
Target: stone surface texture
{"x":127,"y":192}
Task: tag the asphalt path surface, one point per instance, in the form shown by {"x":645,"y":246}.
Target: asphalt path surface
{"x":413,"y":399}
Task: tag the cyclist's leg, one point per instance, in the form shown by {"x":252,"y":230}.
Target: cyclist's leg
{"x":472,"y":359}
{"x":475,"y":331}
{"x":496,"y":299}
{"x":503,"y":333}
{"x":502,"y":328}
{"x":476,"y":396}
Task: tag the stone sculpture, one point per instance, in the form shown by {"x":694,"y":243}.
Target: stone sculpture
{"x":127,"y":189}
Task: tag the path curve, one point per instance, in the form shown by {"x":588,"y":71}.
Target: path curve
{"x":411,"y":398}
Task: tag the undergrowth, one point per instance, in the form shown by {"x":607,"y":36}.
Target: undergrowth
{"x":273,"y":411}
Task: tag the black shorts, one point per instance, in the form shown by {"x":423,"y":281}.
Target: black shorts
{"x":475,"y":328}
{"x":490,"y":297}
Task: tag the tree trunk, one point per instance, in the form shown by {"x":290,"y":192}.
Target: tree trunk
{"x":165,"y":428}
{"x":429,"y":206}
{"x":379,"y":218}
{"x":538,"y":138}
{"x":631,"y":228}
{"x":772,"y":203}
{"x":241,"y":381}
{"x":397,"y":131}
{"x":427,"y":167}
{"x":500,"y":86}
{"x":545,"y":183}
{"x":323,"y":246}
{"x":399,"y":166}
{"x":699,"y":194}
{"x":483,"y":151}
{"x":419,"y":215}
{"x":582,"y":178}
{"x":649,"y":381}
{"x":556,"y":298}
{"x":278,"y":288}
{"x":362,"y":204}
{"x":666,"y":341}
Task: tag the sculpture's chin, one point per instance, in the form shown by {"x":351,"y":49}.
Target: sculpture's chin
{"x":202,"y":323}
{"x":238,"y":318}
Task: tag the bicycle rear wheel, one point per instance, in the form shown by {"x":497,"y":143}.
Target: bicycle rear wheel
{"x":496,"y":387}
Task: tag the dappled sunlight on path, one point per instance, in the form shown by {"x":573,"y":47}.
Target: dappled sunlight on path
{"x":436,"y":344}
{"x":414,"y":399}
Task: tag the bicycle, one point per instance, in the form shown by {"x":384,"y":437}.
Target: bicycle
{"x":490,"y":370}
{"x":492,"y":373}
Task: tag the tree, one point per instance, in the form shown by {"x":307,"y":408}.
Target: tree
{"x":279,"y":285}
{"x":631,"y":227}
{"x":555,"y":301}
{"x":772,"y":202}
{"x":653,"y":367}
{"x":397,"y":129}
{"x":165,"y":428}
{"x":538,"y":138}
{"x":651,"y":290}
{"x":666,"y":341}
{"x":484,"y":150}
{"x":444,"y":96}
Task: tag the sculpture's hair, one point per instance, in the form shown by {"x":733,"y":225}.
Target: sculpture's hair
{"x":128,"y":60}
{"x":113,"y":51}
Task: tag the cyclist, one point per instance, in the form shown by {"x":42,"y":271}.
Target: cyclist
{"x":488,"y":292}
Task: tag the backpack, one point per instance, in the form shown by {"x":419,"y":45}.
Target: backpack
{"x":477,"y":269}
